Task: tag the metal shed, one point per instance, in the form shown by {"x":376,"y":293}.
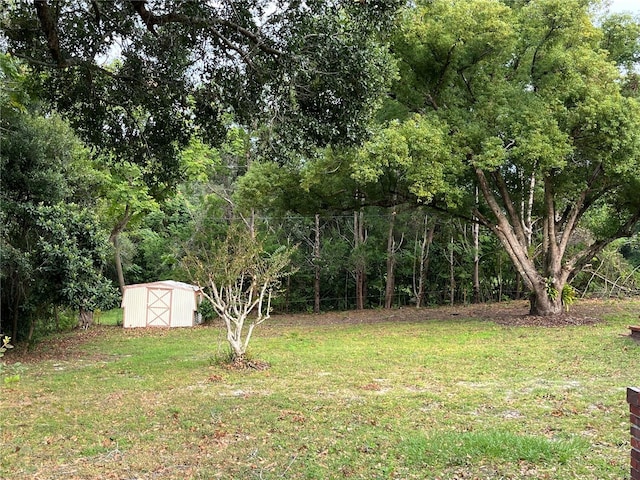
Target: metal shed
{"x":161,"y":304}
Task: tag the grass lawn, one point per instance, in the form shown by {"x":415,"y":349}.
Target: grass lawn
{"x":449,"y":398}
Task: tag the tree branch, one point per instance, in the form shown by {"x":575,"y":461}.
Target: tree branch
{"x":514,"y":219}
{"x":577,"y":210}
{"x":579,"y":260}
{"x":146,"y":16}
{"x":534,"y":60}
{"x":445,"y":67}
{"x":122,"y":223}
{"x":467,"y":85}
{"x":505,"y":233}
{"x":48,"y":25}
{"x":49,"y":28}
{"x":96,"y":9}
{"x":75,"y":62}
{"x":151,"y":21}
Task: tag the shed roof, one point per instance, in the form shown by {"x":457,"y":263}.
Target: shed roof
{"x":167,"y":284}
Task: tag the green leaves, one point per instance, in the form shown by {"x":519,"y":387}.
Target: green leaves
{"x":309,"y":72}
{"x":13,"y":91}
{"x":519,"y":85}
{"x":621,"y":38}
{"x":417,"y":152}
{"x":69,"y":255}
{"x":521,"y":92}
{"x":53,"y":249}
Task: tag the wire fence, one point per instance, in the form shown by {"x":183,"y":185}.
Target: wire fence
{"x":306,"y":304}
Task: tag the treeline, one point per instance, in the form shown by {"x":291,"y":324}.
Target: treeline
{"x":74,"y":224}
{"x":402,"y":256}
{"x":412,"y":153}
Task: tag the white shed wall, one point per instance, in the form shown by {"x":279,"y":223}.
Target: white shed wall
{"x":184,"y":304}
{"x":135,"y":303}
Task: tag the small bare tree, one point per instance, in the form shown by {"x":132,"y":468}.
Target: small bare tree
{"x":239,"y":278}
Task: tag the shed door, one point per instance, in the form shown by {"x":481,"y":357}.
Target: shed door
{"x":158,"y":307}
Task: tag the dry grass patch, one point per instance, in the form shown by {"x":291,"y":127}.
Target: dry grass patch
{"x":449,"y":397}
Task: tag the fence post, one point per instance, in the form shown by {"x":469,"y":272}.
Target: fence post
{"x":633,"y":398}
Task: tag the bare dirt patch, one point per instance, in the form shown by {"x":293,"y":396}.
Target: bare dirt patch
{"x":63,"y":346}
{"x":68,"y":346}
{"x":515,"y":313}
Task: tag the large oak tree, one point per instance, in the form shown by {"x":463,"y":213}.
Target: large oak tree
{"x":539,"y":109}
{"x":139,"y":77}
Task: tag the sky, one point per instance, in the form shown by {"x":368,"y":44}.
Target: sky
{"x":632,"y":6}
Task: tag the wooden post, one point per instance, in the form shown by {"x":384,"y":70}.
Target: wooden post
{"x":633,"y":398}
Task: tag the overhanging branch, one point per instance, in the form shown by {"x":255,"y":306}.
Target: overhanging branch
{"x":49,"y":26}
{"x":75,"y":62}
{"x":151,"y":21}
{"x":577,"y":262}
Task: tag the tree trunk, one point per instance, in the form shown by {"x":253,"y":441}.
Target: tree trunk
{"x":499,"y":279}
{"x":390,"y":285}
{"x":558,"y":227}
{"x":452,"y":278}
{"x":542,"y":304}
{"x":476,"y":264}
{"x":235,"y":340}
{"x":545,"y":288}
{"x":476,"y":256}
{"x":118,"y":260}
{"x":425,"y":246}
{"x":252,"y":224}
{"x":115,"y":240}
{"x":316,"y":266}
{"x":527,"y":209}
{"x":15,"y":317}
{"x":360,"y":266}
{"x":85,"y":319}
{"x":32,"y":327}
